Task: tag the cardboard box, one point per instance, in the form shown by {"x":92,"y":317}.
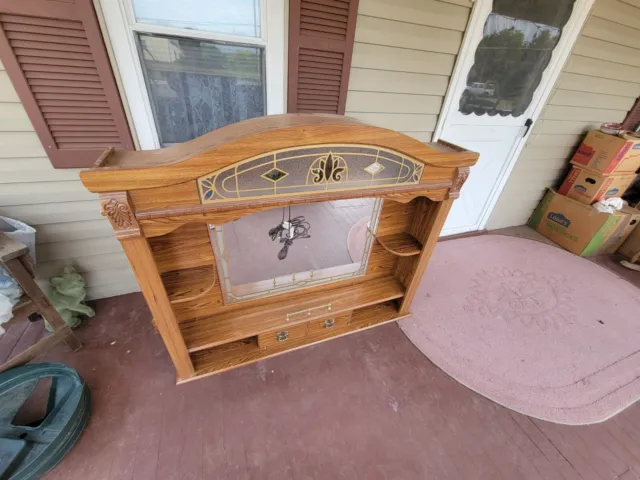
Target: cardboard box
{"x":588,"y":186}
{"x":606,"y":153}
{"x":630,"y":248}
{"x":577,"y":227}
{"x":627,"y":226}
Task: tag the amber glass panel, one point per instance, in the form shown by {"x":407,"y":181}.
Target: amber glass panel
{"x":519,"y":38}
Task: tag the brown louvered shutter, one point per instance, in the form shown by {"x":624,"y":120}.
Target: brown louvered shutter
{"x":633,"y":117}
{"x":55,"y":57}
{"x":321,"y":35}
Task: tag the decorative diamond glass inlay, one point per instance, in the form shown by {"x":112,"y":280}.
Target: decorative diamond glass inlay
{"x":310,"y":169}
{"x":374,"y":168}
{"x":274,"y":175}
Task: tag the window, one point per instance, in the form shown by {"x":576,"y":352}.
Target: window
{"x":192,"y":66}
{"x":518,"y":41}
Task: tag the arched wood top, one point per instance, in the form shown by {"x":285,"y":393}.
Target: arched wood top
{"x":219,"y":149}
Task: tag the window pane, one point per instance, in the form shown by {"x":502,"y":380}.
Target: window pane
{"x":197,"y":86}
{"x":233,"y":17}
{"x":519,"y":38}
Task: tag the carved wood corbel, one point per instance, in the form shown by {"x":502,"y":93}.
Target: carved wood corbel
{"x":462,"y":174}
{"x":117,"y":207}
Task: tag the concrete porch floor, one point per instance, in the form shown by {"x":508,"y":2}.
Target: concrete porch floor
{"x":367,"y":406}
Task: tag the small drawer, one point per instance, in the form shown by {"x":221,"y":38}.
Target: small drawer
{"x":329,"y":324}
{"x":282,"y":336}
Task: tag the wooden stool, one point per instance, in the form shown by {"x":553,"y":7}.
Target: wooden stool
{"x":14,"y":257}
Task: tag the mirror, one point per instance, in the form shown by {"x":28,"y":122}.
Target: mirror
{"x":285,"y":249}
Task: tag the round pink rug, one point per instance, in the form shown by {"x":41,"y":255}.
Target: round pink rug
{"x":530,"y":326}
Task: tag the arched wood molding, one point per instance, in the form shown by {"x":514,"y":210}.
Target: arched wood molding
{"x":125,"y":170}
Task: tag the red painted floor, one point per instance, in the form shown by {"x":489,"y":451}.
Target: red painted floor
{"x":368,"y":406}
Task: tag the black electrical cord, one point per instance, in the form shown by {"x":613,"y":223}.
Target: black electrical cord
{"x":298,"y":228}
{"x":275,"y":231}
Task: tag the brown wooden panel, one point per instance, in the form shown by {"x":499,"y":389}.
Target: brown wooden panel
{"x":59,"y":44}
{"x":70,"y":97}
{"x":35,"y":48}
{"x":61,"y":76}
{"x":254,"y":319}
{"x":321,"y":36}
{"x":41,"y":22}
{"x":395,"y":217}
{"x":402,"y":244}
{"x":49,"y":82}
{"x":382,"y":264}
{"x":36,"y":37}
{"x":325,"y":325}
{"x":231,"y":355}
{"x":170,"y":251}
{"x":59,"y":89}
{"x":153,"y":194}
{"x":165,"y":197}
{"x":79,"y":123}
{"x":281,"y":337}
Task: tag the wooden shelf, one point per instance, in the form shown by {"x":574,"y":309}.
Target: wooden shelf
{"x":402,"y":244}
{"x":207,"y":332}
{"x":242,"y":352}
{"x":190,"y":283}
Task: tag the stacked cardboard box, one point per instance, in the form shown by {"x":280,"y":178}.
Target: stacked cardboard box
{"x":630,"y":247}
{"x":604,"y":166}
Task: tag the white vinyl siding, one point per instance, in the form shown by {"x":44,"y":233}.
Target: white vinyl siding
{"x":403,"y":57}
{"x":70,"y":229}
{"x":599,"y":83}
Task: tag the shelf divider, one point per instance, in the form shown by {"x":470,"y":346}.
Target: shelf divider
{"x":402,"y":244}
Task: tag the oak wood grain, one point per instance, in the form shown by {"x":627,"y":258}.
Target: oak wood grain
{"x":186,"y":247}
{"x":429,"y":219}
{"x":160,"y":221}
{"x":239,"y":141}
{"x":143,"y":262}
{"x":203,"y":333}
{"x":235,"y":354}
{"x":402,"y":244}
{"x":154,"y":205}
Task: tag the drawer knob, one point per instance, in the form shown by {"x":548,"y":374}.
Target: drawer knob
{"x":282,"y":336}
{"x":329,"y":322}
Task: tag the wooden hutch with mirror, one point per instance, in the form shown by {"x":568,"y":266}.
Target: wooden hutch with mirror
{"x":278,"y":232}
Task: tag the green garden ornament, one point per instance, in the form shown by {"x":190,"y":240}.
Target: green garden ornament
{"x":67,"y":294}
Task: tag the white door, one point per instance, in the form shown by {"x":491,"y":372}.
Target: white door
{"x":512,"y":55}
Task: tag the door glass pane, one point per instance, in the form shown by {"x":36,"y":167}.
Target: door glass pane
{"x":519,"y":37}
{"x":233,"y":17}
{"x":197,"y":86}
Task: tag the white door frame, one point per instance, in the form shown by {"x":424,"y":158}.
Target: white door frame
{"x":122,"y":27}
{"x":472,"y":36}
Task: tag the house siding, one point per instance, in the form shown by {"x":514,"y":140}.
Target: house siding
{"x":599,"y":83}
{"x":70,"y":229}
{"x":403,"y":58}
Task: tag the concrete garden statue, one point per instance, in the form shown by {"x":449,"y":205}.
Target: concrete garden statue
{"x":67,"y":294}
